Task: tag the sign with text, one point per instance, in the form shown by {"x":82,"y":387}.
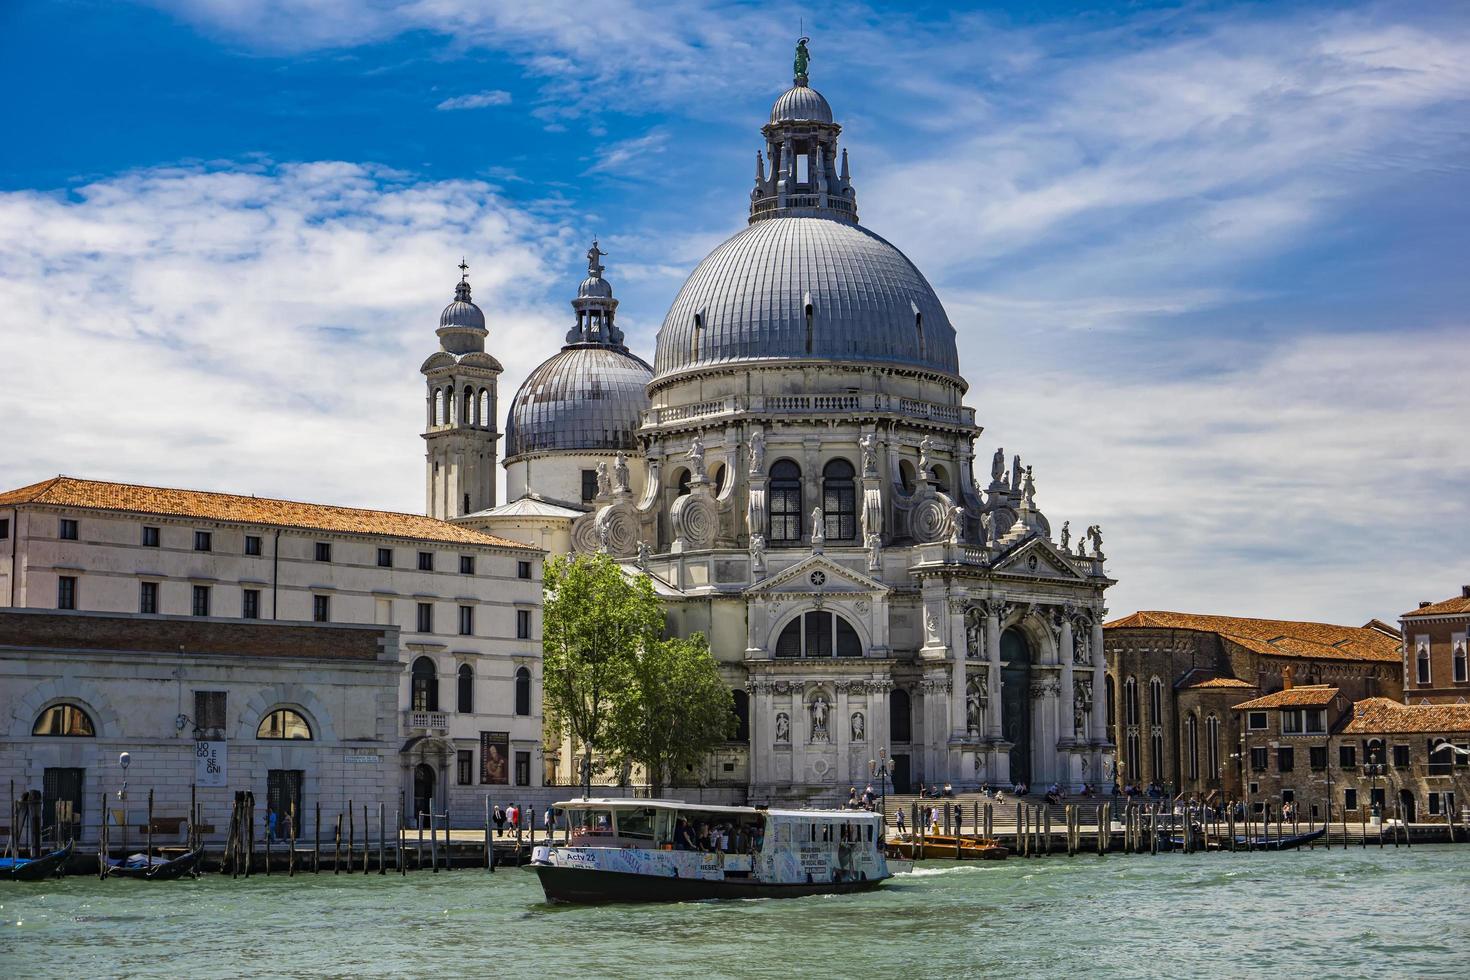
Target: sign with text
{"x":494,"y":757}
{"x":210,"y":763}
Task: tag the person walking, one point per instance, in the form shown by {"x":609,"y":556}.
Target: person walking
{"x":898,"y":819}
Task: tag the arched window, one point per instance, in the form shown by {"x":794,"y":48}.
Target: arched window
{"x":484,"y":415}
{"x":721,"y":471}
{"x":1423,"y":662}
{"x":523,"y":691}
{"x":465,"y":693}
{"x":906,"y":477}
{"x":450,"y":407}
{"x":939,"y":479}
{"x":1130,"y":702}
{"x":839,"y":501}
{"x":1108,"y":688}
{"x":1155,"y":702}
{"x":742,"y":716}
{"x":900,"y":728}
{"x":685,"y":478}
{"x":785,"y":510}
{"x":467,"y":414}
{"x":284,"y":723}
{"x":425,"y":681}
{"x":1212,"y":747}
{"x":1191,"y":745}
{"x":65,"y":721}
{"x":819,"y":634}
{"x":438,"y":407}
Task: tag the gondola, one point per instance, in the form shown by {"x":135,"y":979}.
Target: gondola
{"x":1285,"y":842}
{"x":138,"y":866}
{"x":35,"y":869}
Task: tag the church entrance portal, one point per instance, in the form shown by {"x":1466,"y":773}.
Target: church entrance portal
{"x":1015,"y":701}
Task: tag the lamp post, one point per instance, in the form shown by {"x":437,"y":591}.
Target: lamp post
{"x":882,"y":768}
{"x":1375,"y":770}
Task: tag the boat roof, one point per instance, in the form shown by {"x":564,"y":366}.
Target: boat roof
{"x":623,"y":803}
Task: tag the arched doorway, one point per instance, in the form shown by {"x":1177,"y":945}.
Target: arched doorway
{"x":1406,"y":802}
{"x":424,"y":779}
{"x":1015,"y":701}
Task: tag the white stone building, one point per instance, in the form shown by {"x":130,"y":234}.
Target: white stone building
{"x":800,"y":484}
{"x":301,"y":714}
{"x":467,"y":604}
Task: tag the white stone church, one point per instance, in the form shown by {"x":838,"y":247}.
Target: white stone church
{"x":796,"y":471}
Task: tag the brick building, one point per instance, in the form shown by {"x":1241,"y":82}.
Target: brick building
{"x":302,"y":713}
{"x":1174,"y":680}
{"x":1435,"y":669}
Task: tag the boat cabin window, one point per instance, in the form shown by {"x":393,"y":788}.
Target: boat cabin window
{"x":590,"y":823}
{"x":638,"y":824}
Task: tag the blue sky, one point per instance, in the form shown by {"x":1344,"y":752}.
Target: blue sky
{"x":1207,"y":261}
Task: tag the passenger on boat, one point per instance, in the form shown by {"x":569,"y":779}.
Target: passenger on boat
{"x":852,"y":800}
{"x":683,"y":838}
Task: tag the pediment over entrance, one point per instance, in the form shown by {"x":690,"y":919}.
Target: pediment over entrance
{"x":817,"y":574}
{"x":1038,"y":558}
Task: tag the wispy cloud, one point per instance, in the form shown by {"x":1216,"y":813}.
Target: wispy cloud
{"x":627,"y":157}
{"x":479,"y":100}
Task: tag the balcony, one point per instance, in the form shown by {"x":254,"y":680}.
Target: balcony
{"x":824,"y":406}
{"x":426,"y":721}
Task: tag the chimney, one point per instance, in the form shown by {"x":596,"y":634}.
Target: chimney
{"x":1424,"y":603}
{"x":1465,"y":592}
{"x":1287,"y":676}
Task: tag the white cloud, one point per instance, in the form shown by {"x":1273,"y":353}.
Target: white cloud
{"x":478,"y":100}
{"x":629,"y":157}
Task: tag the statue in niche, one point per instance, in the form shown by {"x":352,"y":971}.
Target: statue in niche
{"x":858,"y":729}
{"x":974,"y":634}
{"x":604,"y":482}
{"x":998,"y":466}
{"x":1066,"y":535}
{"x":757,"y":453}
{"x":819,"y":534}
{"x":1081,"y":704}
{"x":819,"y":718}
{"x":783,"y":727}
{"x":620,"y":472}
{"x":869,"y":444}
{"x":973,"y":707}
{"x":696,"y":460}
{"x":758,"y":552}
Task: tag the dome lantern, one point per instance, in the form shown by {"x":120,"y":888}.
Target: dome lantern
{"x":462,"y":324}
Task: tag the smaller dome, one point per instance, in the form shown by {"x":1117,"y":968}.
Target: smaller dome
{"x":801,"y":103}
{"x":462,"y":314}
{"x":594,"y":287}
{"x":587,"y":398}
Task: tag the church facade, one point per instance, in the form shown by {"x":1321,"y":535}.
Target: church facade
{"x":796,"y":472}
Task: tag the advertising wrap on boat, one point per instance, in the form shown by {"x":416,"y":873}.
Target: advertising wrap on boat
{"x":684,"y":864}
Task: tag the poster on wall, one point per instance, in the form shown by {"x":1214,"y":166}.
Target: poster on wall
{"x":494,"y":756}
{"x":210,"y":763}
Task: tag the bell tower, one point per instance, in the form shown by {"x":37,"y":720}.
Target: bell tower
{"x":462,"y":403}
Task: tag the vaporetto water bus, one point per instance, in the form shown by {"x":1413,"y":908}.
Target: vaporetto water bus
{"x":670,"y":851}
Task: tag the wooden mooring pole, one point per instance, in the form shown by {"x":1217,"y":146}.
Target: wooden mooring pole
{"x":382,"y":835}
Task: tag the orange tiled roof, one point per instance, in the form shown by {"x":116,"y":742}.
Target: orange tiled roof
{"x":1459,"y":604}
{"x":1306,"y":696}
{"x":1276,"y":637}
{"x":1384,"y":716}
{"x":101,"y":495}
{"x":1226,"y":682}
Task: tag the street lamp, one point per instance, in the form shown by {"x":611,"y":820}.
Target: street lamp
{"x":882,"y":769}
{"x":1375,"y":769}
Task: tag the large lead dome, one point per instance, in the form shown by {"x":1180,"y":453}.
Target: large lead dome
{"x":805,"y":281}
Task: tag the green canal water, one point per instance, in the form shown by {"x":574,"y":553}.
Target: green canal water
{"x":1313,"y":913}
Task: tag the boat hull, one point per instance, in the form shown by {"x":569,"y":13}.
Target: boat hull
{"x":944,"y":847}
{"x":41,"y":868}
{"x":588,"y":886}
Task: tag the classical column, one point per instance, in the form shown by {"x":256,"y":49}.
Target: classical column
{"x":759,"y":738}
{"x":958,"y":723}
{"x":1099,"y":682}
{"x":842,"y":723}
{"x":992,"y":661}
{"x":1065,"y":721}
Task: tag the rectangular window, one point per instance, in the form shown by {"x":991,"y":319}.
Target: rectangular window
{"x":150,"y":537}
{"x":1462,"y":757}
{"x":1314,"y":720}
{"x":4,"y":528}
{"x":466,"y":564}
{"x":465,"y":767}
{"x":523,"y":769}
{"x":323,"y":551}
{"x":1434,"y":804}
{"x":252,"y":545}
{"x":1349,"y":799}
{"x":66,"y":592}
{"x":523,"y":569}
{"x":523,"y":624}
{"x":321,"y":609}
{"x":1347,"y":757}
{"x":426,"y":617}
{"x":1285,"y":758}
{"x":426,"y":561}
{"x":201,"y":600}
{"x":1259,"y":759}
{"x":385,"y":557}
{"x":1401,"y":757}
{"x":1317,"y":756}
{"x":68,"y":529}
{"x":1255,"y":721}
{"x":589,"y":486}
{"x":209,"y":710}
{"x":1378,"y":798}
{"x":250,"y":604}
{"x":1291,"y":722}
{"x":148,"y":597}
{"x":466,"y":620}
{"x":203,"y":541}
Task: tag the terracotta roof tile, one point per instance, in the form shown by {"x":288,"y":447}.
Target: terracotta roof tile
{"x":1223,"y":682}
{"x":1459,"y":604}
{"x":69,"y":491}
{"x":1383,"y":716}
{"x":1276,"y":637}
{"x":1305,"y":696}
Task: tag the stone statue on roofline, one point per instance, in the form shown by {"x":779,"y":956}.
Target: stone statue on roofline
{"x":604,"y":481}
{"x":696,"y":460}
{"x":869,"y":444}
{"x":1066,"y":535}
{"x":998,"y":465}
{"x":620,"y":472}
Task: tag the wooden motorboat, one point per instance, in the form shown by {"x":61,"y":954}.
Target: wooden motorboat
{"x":35,"y":869}
{"x":913,"y":846}
{"x":158,"y":869}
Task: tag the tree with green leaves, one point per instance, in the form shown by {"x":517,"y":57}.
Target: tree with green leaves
{"x":595,"y":622}
{"x":673,"y":713}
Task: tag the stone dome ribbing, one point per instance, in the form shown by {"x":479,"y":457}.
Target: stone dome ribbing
{"x":588,"y":397}
{"x":801,"y":103}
